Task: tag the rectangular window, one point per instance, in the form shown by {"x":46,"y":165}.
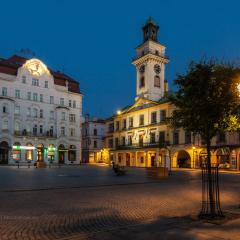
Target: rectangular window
{"x":116,"y":142}
{"x":152,"y":137}
{"x":46,"y":84}
{"x":17,"y":110}
{"x":51,"y":100}
{"x":123,"y":140}
{"x":51,"y":114}
{"x":4,"y":91}
{"x":141,"y":120}
{"x":130,"y":140}
{"x":29,"y":95}
{"x":51,"y":131}
{"x":29,"y":112}
{"x":175,"y":138}
{"x":110,"y":127}
{"x":110,"y":143}
{"x":35,"y":82}
{"x":35,"y":130}
{"x":41,"y":129}
{"x":35,"y":113}
{"x":95,"y":144}
{"x":41,"y":113}
{"x":72,"y":118}
{"x":62,"y":101}
{"x":24,"y":79}
{"x":72,"y":132}
{"x":162,"y":137}
{"x":17,"y":93}
{"x":124,"y":124}
{"x":5,"y":125}
{"x":63,"y":116}
{"x":74,"y":104}
{"x":162,"y":115}
{"x":153,"y":117}
{"x":62,"y":131}
{"x":117,"y":126}
{"x":188,"y":139}
{"x":131,"y":122}
{"x":70,"y":103}
{"x":95,"y":132}
{"x":35,"y":97}
{"x":41,"y":97}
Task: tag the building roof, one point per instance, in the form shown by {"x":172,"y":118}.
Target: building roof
{"x":10,"y":66}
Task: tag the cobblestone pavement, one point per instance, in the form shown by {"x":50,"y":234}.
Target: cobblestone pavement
{"x":92,"y":203}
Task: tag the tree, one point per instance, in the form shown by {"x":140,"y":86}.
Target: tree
{"x":207,"y":102}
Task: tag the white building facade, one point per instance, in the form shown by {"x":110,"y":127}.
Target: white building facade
{"x":40,"y":114}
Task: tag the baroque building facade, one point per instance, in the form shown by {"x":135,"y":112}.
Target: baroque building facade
{"x":138,"y":135}
{"x":40,"y":113}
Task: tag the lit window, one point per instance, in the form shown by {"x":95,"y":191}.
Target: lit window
{"x":17,"y":93}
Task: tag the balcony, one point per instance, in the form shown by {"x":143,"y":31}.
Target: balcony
{"x":24,"y":133}
{"x":142,"y":145}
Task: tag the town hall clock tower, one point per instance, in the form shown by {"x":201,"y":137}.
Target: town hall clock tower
{"x":150,"y":64}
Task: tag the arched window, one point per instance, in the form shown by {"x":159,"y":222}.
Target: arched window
{"x":157,"y":81}
{"x":141,"y":82}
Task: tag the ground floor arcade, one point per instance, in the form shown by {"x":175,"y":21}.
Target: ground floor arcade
{"x":38,"y":151}
{"x":178,"y":157}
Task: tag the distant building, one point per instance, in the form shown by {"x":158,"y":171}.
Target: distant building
{"x":138,"y":135}
{"x":93,"y":133}
{"x":40,"y":113}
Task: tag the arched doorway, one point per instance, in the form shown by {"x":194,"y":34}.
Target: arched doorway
{"x":61,"y":154}
{"x":51,"y":153}
{"x":40,"y":152}
{"x":72,"y":153}
{"x":4,"y":151}
{"x":183,"y":159}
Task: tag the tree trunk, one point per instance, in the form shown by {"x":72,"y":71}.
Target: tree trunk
{"x":210,"y":181}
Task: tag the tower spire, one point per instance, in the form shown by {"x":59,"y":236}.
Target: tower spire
{"x":150,"y":30}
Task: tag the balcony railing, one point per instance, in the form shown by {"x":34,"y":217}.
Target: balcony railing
{"x":30,"y":134}
{"x":141,"y":145}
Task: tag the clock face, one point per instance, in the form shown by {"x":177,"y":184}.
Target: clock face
{"x":157,"y":68}
{"x":142,"y":69}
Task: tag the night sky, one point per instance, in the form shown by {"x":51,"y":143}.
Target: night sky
{"x":94,"y":41}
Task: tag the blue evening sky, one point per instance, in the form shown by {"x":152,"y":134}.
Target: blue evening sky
{"x":94,"y":41}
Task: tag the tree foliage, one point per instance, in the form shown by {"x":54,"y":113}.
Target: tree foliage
{"x":207,"y":100}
